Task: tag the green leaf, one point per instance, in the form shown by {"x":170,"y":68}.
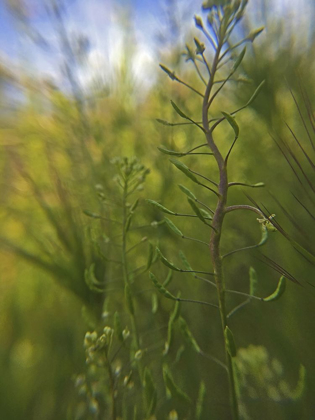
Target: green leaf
{"x":196,"y":210}
{"x":170,"y":152}
{"x":229,"y":341}
{"x":174,"y":228}
{"x":173,"y":388}
{"x":170,"y":74}
{"x":166,"y":262}
{"x":232,"y":123}
{"x":188,"y":335}
{"x":179,"y":112}
{"x":255,"y":94}
{"x":238,"y":60}
{"x":187,"y":192}
{"x":253,"y":281}
{"x":161,"y":288}
{"x":183,"y":168}
{"x":206,"y":214}
{"x":278,"y":292}
{"x":160,"y":207}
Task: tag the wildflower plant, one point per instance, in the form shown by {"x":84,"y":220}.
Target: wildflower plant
{"x":216,"y":65}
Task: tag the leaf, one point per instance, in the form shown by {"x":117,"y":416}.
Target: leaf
{"x":238,"y":60}
{"x":206,"y":214}
{"x":278,"y":292}
{"x":253,"y":281}
{"x":188,"y":335}
{"x":255,"y":94}
{"x":160,"y":207}
{"x":187,"y":192}
{"x":179,"y":112}
{"x":183,"y":168}
{"x":170,"y":152}
{"x":229,"y":341}
{"x":232,"y":123}
{"x":166,"y":262}
{"x":196,"y":210}
{"x":174,"y":228}
{"x":173,"y":388}
{"x":161,"y":288}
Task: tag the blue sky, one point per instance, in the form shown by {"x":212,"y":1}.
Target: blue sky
{"x":101,"y":22}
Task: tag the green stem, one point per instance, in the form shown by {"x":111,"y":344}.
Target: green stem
{"x":217,"y":224}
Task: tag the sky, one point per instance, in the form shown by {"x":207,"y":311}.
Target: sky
{"x":101,"y":21}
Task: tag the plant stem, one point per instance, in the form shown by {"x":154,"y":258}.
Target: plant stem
{"x":217,"y":223}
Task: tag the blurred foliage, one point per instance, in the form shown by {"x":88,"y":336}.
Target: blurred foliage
{"x":55,"y":163}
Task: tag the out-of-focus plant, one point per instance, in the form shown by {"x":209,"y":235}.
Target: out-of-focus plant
{"x":223,"y":17}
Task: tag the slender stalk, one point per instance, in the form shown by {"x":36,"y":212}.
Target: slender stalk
{"x":217,"y":223}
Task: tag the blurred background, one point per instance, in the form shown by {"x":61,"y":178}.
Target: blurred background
{"x":80,"y":84}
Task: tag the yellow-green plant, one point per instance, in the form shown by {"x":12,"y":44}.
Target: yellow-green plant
{"x":216,"y":69}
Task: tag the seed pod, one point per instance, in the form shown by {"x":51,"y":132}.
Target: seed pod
{"x":232,"y":123}
{"x":253,"y":281}
{"x":179,"y":111}
{"x":170,"y":152}
{"x":174,"y":228}
{"x":255,"y":94}
{"x":278,"y":292}
{"x":188,"y":335}
{"x":238,"y":60}
{"x":160,"y":207}
{"x":170,"y":74}
{"x":229,"y":341}
{"x":150,"y":393}
{"x":179,"y":165}
{"x":166,"y":262}
{"x":196,"y":210}
{"x":173,"y":388}
{"x":187,"y":192}
{"x":161,"y":288}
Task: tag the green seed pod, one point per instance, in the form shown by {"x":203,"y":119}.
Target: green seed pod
{"x":169,"y":278}
{"x":161,"y":288}
{"x":173,"y":388}
{"x":160,"y":207}
{"x":135,"y":205}
{"x":238,"y":60}
{"x":150,"y":393}
{"x":170,"y":74}
{"x":174,"y":228}
{"x":187,"y":192}
{"x":166,"y":262}
{"x":183,"y":168}
{"x":150,"y":256}
{"x":232,"y":122}
{"x":278,"y":292}
{"x":169,"y":152}
{"x":253,"y":281}
{"x":255,"y":94}
{"x":254,"y":33}
{"x":229,"y":341}
{"x":188,"y":335}
{"x":179,"y":111}
{"x":196,"y":210}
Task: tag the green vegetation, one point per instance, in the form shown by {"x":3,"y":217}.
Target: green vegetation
{"x":157,"y":255}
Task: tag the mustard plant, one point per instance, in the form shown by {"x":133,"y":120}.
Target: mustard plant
{"x":216,"y":66}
